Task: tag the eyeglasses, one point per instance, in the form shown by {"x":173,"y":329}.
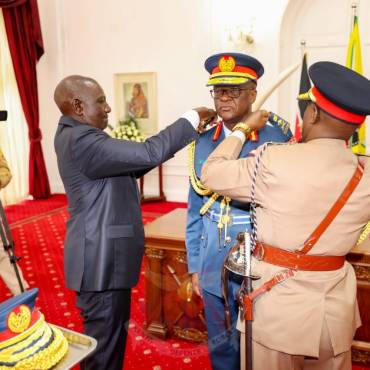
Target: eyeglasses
{"x":232,"y":93}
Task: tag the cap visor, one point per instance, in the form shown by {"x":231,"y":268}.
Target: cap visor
{"x":227,"y":81}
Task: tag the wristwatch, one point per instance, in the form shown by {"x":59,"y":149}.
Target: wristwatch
{"x":244,"y":128}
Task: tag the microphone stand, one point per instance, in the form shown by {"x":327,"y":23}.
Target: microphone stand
{"x":8,"y":244}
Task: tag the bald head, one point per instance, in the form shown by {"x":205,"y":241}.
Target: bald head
{"x":70,"y":88}
{"x":82,"y":99}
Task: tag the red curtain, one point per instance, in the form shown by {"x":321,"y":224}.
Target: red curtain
{"x":11,"y":3}
{"x":23,"y":30}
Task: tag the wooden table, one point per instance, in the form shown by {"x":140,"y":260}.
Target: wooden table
{"x":171,"y":308}
{"x":360,"y":260}
{"x":165,"y":249}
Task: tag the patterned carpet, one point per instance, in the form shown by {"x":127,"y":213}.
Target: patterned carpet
{"x":38,"y":229}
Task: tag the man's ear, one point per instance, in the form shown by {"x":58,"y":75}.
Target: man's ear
{"x":252,"y":96}
{"x":77,"y":106}
{"x":315,"y":117}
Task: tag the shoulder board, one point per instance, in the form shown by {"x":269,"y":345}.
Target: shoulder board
{"x":282,"y":123}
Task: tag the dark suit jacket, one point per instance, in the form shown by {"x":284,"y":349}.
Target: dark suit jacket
{"x":105,"y":236}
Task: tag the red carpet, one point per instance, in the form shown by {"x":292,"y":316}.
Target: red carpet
{"x":29,"y":208}
{"x":38,"y":229}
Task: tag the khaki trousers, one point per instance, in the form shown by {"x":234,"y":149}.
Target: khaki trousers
{"x":268,"y":359}
{"x":7,"y":273}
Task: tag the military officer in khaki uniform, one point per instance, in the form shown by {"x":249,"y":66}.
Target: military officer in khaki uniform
{"x":7,"y":271}
{"x":308,"y":316}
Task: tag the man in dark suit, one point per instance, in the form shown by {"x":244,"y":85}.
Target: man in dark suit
{"x":105,"y":237}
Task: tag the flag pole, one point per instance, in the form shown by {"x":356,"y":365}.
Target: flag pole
{"x":357,"y":142}
{"x":354,"y":7}
{"x":298,"y":123}
{"x":355,"y":137}
{"x":303,"y":48}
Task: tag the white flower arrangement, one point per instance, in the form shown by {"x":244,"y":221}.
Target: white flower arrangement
{"x":128,"y":130}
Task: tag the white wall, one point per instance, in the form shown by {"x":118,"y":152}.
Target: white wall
{"x":50,"y":69}
{"x":87,"y":38}
{"x":169,"y":37}
{"x":325,"y":27}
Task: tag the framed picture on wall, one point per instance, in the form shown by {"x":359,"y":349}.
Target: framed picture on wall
{"x":136,"y":97}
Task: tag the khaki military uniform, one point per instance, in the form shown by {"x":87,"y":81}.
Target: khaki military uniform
{"x":7,"y":272}
{"x":296,"y":186}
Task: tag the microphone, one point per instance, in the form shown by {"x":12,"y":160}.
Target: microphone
{"x":3,"y":115}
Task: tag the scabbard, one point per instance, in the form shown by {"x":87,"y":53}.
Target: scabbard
{"x":225,"y":296}
{"x":248,"y":327}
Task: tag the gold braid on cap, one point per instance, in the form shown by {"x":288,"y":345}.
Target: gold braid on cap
{"x":198,"y":187}
{"x":365,"y":233}
{"x":41,"y":350}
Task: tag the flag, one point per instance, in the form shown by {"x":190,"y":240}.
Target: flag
{"x":304,"y":86}
{"x":354,"y":61}
{"x":297,"y":129}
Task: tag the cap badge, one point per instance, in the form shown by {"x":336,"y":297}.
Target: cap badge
{"x":19,"y":321}
{"x":226,"y":64}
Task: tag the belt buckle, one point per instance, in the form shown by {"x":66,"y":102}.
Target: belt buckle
{"x":259,"y":252}
{"x":226,"y":219}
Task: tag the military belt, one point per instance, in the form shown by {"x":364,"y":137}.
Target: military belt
{"x":296,"y":261}
{"x":299,"y":260}
{"x":234,"y":219}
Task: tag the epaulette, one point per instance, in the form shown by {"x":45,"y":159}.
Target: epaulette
{"x":277,"y":120}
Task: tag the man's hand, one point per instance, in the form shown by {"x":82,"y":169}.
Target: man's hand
{"x":196,"y":285}
{"x":206,"y":117}
{"x":256,"y":120}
